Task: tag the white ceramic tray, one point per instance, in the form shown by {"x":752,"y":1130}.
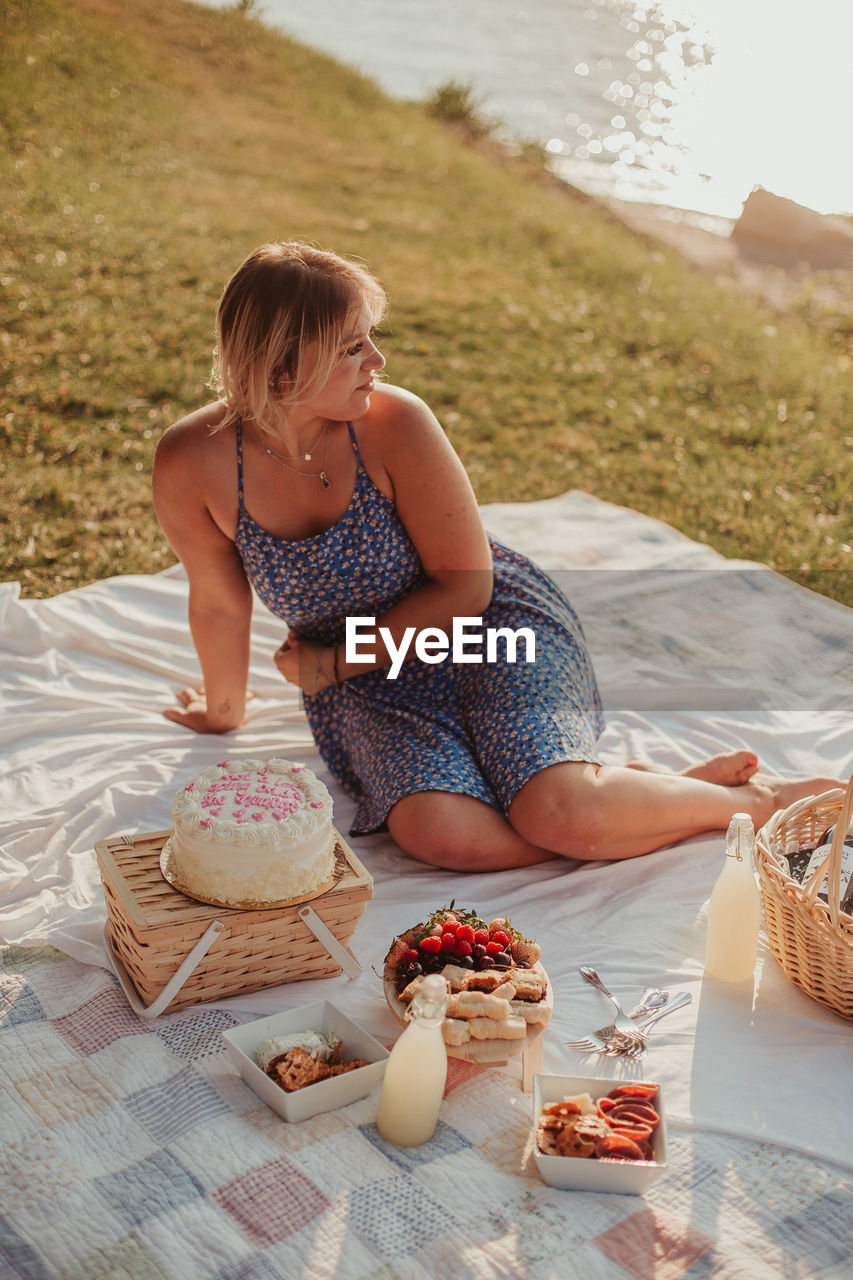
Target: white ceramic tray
{"x":325,"y":1095}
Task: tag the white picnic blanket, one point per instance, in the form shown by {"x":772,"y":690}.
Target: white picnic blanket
{"x":694,"y":654}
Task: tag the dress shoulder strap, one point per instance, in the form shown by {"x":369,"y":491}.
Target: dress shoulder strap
{"x":354,"y":442}
{"x":239,"y":434}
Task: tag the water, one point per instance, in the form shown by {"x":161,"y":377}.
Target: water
{"x":685,"y":103}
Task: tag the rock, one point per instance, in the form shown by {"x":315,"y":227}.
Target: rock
{"x":774,"y":229}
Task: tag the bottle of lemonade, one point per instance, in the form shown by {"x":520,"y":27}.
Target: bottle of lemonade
{"x":734,"y":916}
{"x":416,"y":1072}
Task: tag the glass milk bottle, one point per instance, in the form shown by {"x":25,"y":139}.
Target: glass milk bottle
{"x":734,"y":916}
{"x":416,"y":1072}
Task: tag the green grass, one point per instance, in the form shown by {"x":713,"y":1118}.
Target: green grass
{"x":148,"y":147}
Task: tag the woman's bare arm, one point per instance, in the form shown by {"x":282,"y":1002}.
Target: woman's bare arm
{"x":220,"y":600}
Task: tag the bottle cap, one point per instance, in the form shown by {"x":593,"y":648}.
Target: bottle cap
{"x":431,"y":999}
{"x":740,"y":837}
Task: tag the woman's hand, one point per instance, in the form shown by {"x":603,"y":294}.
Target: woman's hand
{"x":193,"y":713}
{"x":310,"y":666}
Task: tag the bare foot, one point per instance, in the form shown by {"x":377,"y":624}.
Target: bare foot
{"x":767,"y":794}
{"x":731,"y":769}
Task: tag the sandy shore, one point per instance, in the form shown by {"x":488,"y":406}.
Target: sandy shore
{"x":706,"y":243}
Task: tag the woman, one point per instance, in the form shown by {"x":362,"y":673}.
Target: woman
{"x":337,"y":498}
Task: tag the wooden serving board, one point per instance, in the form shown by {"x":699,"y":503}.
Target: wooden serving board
{"x":491,"y":1052}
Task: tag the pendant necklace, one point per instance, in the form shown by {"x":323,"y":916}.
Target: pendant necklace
{"x":324,"y":479}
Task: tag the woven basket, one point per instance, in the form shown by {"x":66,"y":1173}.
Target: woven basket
{"x":152,"y":928}
{"x":812,"y":940}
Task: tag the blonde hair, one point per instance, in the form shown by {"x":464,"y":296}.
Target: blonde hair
{"x":283,"y":297}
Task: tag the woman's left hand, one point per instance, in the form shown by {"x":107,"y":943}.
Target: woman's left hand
{"x":310,"y":666}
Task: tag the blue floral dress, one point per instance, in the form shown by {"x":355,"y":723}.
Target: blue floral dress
{"x":481,"y":730}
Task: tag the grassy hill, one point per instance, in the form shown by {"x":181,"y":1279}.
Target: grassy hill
{"x":148,"y":147}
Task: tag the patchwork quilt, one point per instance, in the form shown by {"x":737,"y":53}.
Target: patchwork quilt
{"x":133,"y":1149}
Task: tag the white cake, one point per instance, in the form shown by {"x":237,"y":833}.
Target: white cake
{"x":250,"y":833}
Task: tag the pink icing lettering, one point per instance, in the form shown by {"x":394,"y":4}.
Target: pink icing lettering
{"x":269,"y":792}
{"x":259,"y":817}
{"x":223,"y":764}
{"x":316,"y":804}
{"x":205,"y":822}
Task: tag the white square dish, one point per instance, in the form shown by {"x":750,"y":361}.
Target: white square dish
{"x":326,"y":1095}
{"x":625,"y":1177}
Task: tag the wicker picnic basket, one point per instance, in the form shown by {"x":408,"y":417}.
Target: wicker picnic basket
{"x":811,"y":939}
{"x":152,"y":929}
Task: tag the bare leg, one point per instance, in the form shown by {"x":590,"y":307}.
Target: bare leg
{"x":584,"y":811}
{"x":460,"y":833}
{"x":603,"y":812}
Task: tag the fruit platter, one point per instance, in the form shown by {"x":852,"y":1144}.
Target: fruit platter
{"x":500,"y":999}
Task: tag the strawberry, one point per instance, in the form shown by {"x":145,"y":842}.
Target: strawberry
{"x":431,"y":944}
{"x":463,"y":947}
{"x":397,"y":953}
{"x":525,"y":952}
{"x":501,"y":937}
{"x":450,"y":926}
{"x":493,"y":949}
{"x":464,"y":933}
{"x":481,"y":937}
{"x":447,"y":942}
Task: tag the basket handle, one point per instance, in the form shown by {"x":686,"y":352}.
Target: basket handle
{"x":327,"y":939}
{"x":177,"y":979}
{"x":831,"y":865}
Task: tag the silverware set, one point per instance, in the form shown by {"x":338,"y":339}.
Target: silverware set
{"x":626,"y":1035}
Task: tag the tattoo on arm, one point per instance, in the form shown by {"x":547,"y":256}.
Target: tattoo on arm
{"x":224,"y":706}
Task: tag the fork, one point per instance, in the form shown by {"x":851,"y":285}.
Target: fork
{"x":621,"y":1022}
{"x":652,"y":998}
{"x":634,"y":1045}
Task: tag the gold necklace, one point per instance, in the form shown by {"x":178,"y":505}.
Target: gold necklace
{"x":324,"y":479}
{"x":307,"y":454}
